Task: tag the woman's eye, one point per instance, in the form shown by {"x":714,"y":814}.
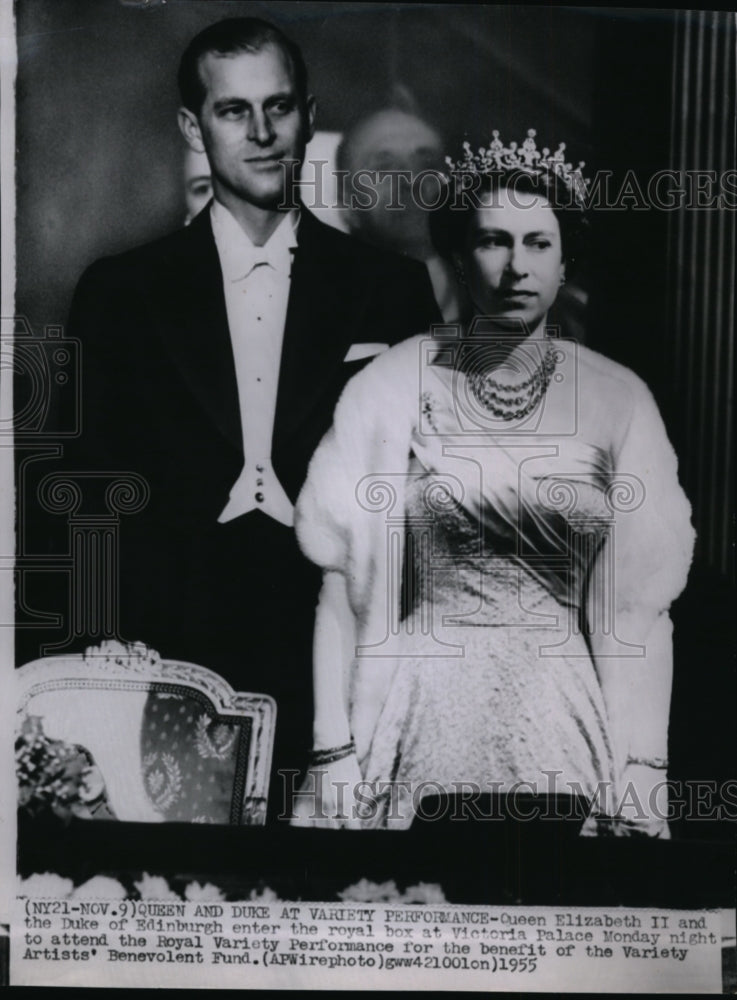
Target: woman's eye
{"x":541,"y":244}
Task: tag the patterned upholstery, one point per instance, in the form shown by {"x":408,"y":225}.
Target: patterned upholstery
{"x":167,"y":741}
{"x":190,"y":758}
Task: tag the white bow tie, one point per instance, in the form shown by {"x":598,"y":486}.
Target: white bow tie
{"x":280,"y":259}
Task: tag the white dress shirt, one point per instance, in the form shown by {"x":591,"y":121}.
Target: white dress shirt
{"x":256,"y":281}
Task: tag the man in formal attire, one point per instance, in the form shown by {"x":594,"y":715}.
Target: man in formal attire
{"x":212,"y":362}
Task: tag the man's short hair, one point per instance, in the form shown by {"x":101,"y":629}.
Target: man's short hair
{"x":235,"y":34}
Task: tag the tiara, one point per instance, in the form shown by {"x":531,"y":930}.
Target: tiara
{"x":526,"y":159}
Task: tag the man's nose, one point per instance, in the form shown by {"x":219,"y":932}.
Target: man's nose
{"x":260,"y":129}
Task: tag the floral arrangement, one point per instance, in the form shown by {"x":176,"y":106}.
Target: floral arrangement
{"x":152,"y":888}
{"x":366,"y":891}
{"x":112,"y":651}
{"x":54,"y":777}
{"x":57,"y":778}
{"x":157,"y":888}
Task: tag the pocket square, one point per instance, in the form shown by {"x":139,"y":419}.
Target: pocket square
{"x":357,"y":352}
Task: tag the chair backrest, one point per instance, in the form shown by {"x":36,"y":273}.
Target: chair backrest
{"x":172,"y":741}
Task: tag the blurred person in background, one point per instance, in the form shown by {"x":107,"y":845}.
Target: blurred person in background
{"x":396,"y":139}
{"x":197,"y":183}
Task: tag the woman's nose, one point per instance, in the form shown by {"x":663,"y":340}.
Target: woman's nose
{"x":517,"y":262}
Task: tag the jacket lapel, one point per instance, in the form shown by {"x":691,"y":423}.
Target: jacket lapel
{"x":196,"y":328}
{"x":317,"y":327}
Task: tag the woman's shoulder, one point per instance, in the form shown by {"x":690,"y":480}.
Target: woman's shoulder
{"x":619,"y":403}
{"x":607,"y":383}
{"x":403,"y":353}
{"x":384,"y":387}
{"x":607,"y":371}
{"x":395,"y":365}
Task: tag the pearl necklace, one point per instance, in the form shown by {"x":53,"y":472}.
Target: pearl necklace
{"x":512,"y":402}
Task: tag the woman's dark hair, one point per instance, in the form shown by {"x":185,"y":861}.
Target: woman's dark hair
{"x":465,"y":193}
{"x":225,"y":38}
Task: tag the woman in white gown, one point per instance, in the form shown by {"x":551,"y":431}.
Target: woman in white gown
{"x":499,"y":521}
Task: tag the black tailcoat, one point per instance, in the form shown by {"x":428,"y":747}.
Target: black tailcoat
{"x":160,"y":399}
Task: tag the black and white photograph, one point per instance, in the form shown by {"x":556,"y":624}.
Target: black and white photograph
{"x":367,"y":496}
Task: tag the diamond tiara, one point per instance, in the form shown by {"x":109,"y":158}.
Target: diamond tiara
{"x":525,"y":159}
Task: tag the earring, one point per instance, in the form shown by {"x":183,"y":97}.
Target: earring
{"x":460,"y":274}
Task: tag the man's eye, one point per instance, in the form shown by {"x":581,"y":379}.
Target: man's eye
{"x":231,"y":113}
{"x":281,"y":107}
{"x":492,"y":241}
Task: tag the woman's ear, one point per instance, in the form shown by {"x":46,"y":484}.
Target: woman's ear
{"x":562,"y":272}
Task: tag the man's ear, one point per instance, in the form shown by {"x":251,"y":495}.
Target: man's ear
{"x":311,"y":109}
{"x":190,"y":129}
